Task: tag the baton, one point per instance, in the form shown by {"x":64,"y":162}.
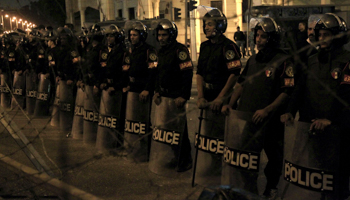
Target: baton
{"x":196,"y":142}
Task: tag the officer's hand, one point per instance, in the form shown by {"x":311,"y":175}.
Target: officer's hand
{"x":82,"y":85}
{"x":287,"y":118}
{"x":69,"y":82}
{"x":225,"y":109}
{"x":20,"y":72}
{"x":103,"y":86}
{"x":126,"y":89}
{"x":47,"y":75}
{"x":202,"y":103}
{"x":110,"y":90}
{"x":320,"y":124}
{"x":103,"y":64}
{"x":95,"y":90}
{"x":156,"y":99}
{"x":215,"y":105}
{"x":259,"y":116}
{"x":180,"y":102}
{"x":79,"y":82}
{"x":143,"y":95}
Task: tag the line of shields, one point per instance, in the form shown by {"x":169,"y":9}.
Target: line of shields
{"x":229,"y":160}
{"x":228,"y":149}
{"x":28,"y":91}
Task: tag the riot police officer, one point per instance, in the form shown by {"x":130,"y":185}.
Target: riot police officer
{"x":173,"y":84}
{"x":112,"y":105}
{"x":218,"y":64}
{"x":322,"y":98}
{"x":141,"y":80}
{"x":264,"y":95}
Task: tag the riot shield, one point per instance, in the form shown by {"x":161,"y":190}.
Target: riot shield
{"x":311,"y":162}
{"x":31,"y":88}
{"x":169,"y":126}
{"x":91,"y":105}
{"x":66,"y":106}
{"x":108,"y":136}
{"x":42,"y":103}
{"x":242,"y":152}
{"x":55,"y":115}
{"x":136,"y":139}
{"x":78,"y":120}
{"x":18,"y":91}
{"x":210,"y":147}
{"x":5,"y":91}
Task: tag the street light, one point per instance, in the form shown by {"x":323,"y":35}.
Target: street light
{"x":15,"y":19}
{"x":7,"y":16}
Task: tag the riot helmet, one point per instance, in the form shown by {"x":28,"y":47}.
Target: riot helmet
{"x":95,"y":29}
{"x":118,"y":33}
{"x":217,"y":16}
{"x":269,"y":26}
{"x":136,"y":26}
{"x":165,"y":24}
{"x":65,"y":36}
{"x":333,"y":23}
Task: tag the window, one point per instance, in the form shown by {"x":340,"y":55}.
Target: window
{"x":131,"y":13}
{"x":216,"y":4}
{"x":120,"y":13}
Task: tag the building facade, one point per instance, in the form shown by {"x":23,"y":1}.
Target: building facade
{"x":84,"y":13}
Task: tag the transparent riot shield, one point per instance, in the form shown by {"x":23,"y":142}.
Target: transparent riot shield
{"x":169,"y":126}
{"x":136,"y":134}
{"x":18,"y":91}
{"x":242,"y":152}
{"x":42,"y":103}
{"x":66,"y":106}
{"x":31,"y":91}
{"x":55,"y":115}
{"x":5,"y":91}
{"x":311,"y":162}
{"x":78,"y":120}
{"x":210,"y":147}
{"x":108,"y":136}
{"x":90,"y":113}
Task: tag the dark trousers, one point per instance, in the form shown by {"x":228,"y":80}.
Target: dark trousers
{"x":273,"y":147}
{"x":182,"y":152}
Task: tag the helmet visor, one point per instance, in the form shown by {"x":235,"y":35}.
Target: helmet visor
{"x":329,"y":21}
{"x":313,"y":20}
{"x":266,"y":23}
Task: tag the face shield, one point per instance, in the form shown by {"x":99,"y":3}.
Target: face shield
{"x":313,"y":20}
{"x":267,"y":24}
{"x":215,"y":15}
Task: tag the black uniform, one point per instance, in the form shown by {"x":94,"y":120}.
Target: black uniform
{"x":324,"y":93}
{"x":142,"y":71}
{"x":66,"y":67}
{"x":174,"y":79}
{"x":217,"y":61}
{"x":94,"y":74}
{"x":260,"y":92}
{"x":175,"y":71}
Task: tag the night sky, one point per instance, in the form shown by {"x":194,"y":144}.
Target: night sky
{"x":14,"y":4}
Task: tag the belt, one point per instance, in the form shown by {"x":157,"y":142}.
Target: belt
{"x":132,"y":79}
{"x":110,"y":81}
{"x":210,"y":86}
{"x":164,"y":90}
